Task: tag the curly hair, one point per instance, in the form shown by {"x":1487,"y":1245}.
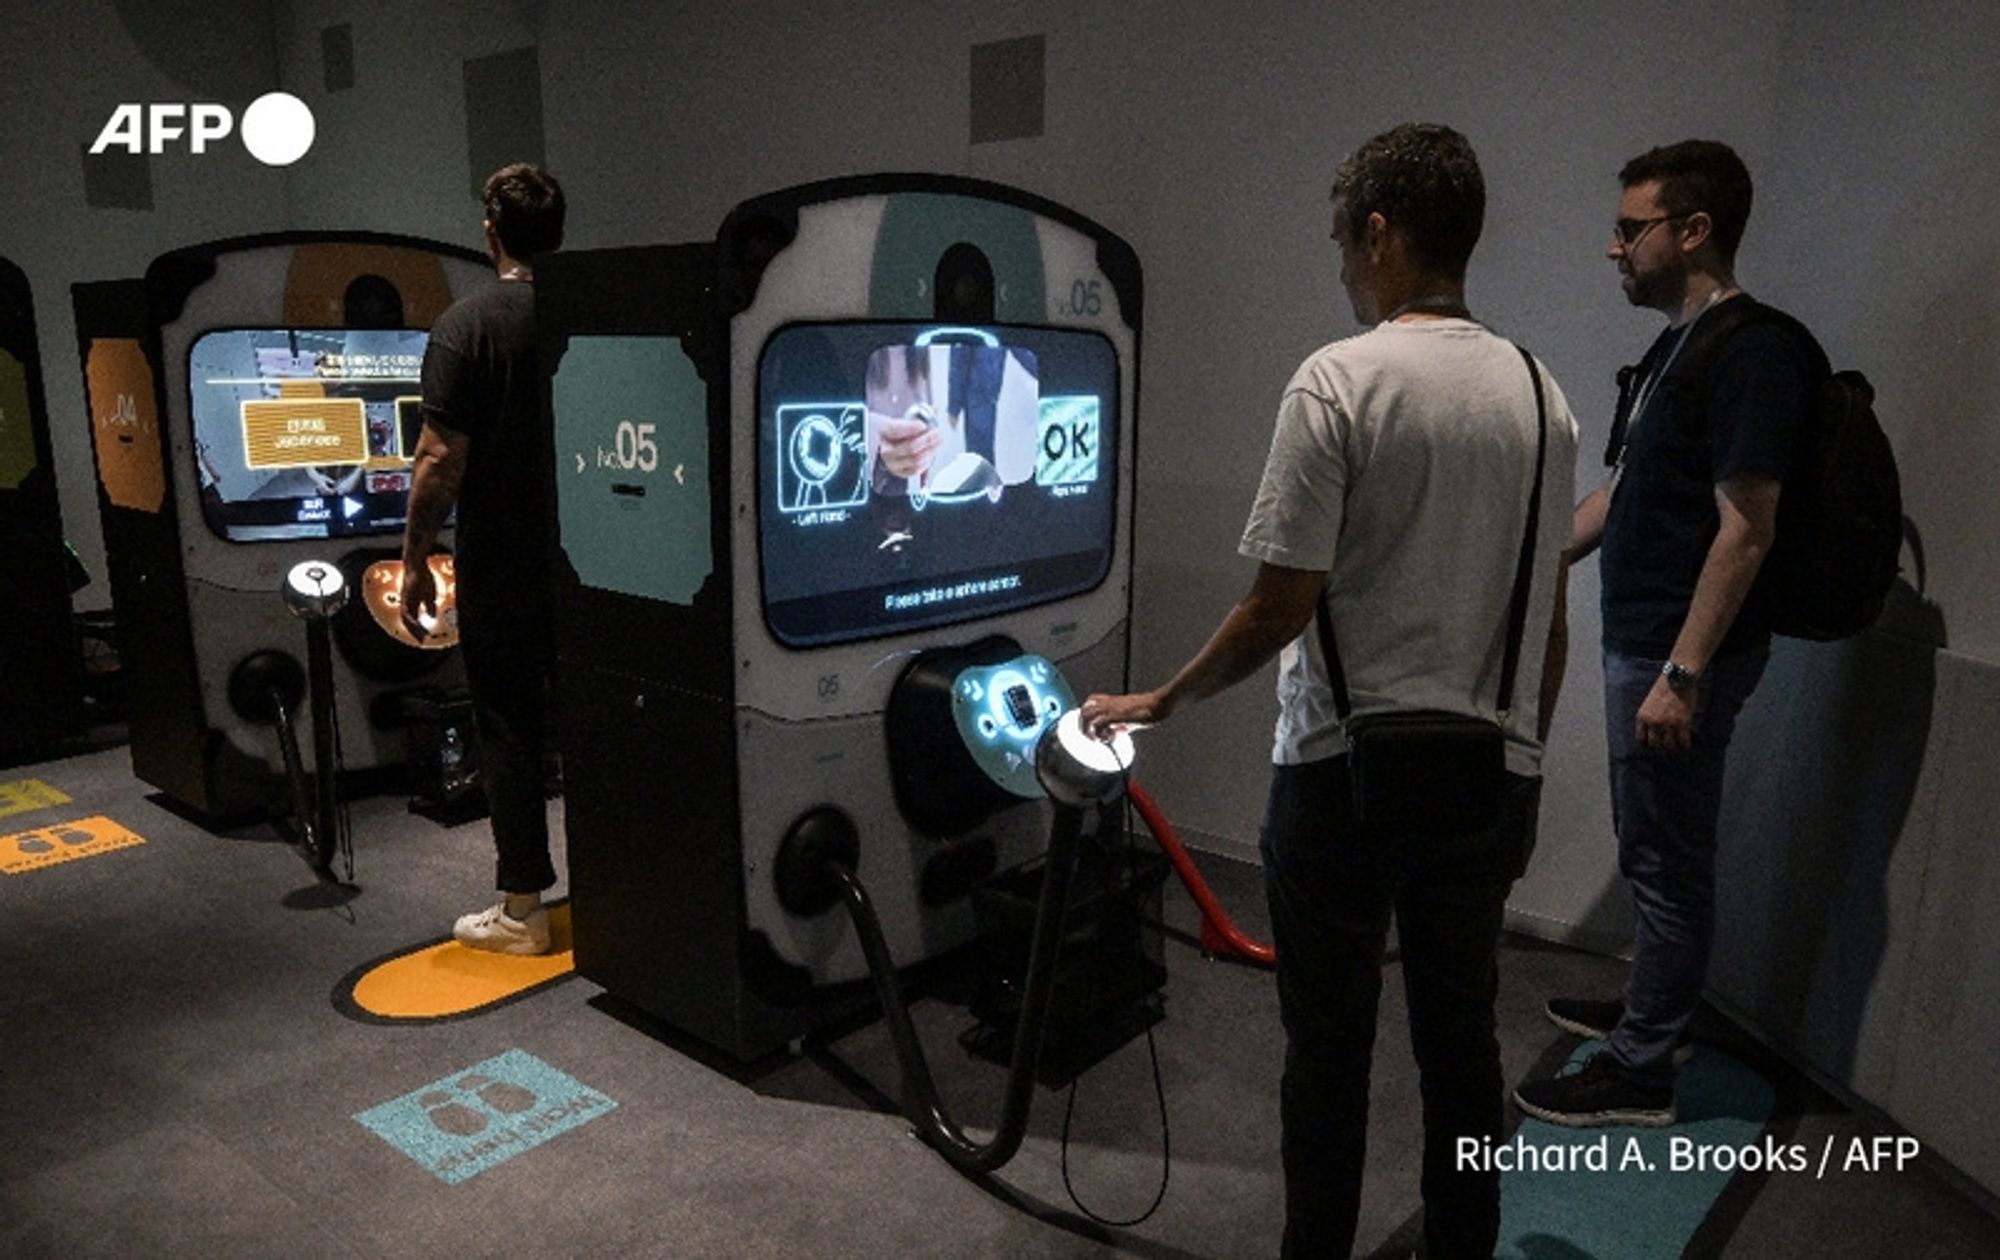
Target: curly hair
{"x":1424,"y":179}
{"x":525,"y":206}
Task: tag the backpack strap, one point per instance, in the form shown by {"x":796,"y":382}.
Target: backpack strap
{"x":1697,"y":359}
{"x":1712,"y":334}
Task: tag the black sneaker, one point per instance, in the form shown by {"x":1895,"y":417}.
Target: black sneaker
{"x":1587,"y":1017}
{"x":1596,"y":1094}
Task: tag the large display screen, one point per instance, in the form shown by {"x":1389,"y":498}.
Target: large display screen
{"x":915,"y":475}
{"x":305,"y":433}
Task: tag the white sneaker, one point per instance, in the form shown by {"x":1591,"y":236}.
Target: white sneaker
{"x":492,"y":929}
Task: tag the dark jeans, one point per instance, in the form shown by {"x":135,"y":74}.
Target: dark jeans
{"x":509,"y":662}
{"x":1664,"y":807}
{"x":1332,"y":891}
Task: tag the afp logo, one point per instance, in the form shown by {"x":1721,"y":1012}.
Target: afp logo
{"x":277,"y":128}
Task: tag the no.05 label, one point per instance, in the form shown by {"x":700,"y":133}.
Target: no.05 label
{"x":633,"y":446}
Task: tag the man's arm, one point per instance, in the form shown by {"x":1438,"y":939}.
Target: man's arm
{"x":1279,"y":606}
{"x":1749,"y":510}
{"x":1586,"y":528}
{"x":1586,"y":531}
{"x":1555,"y":658}
{"x":437,"y":471}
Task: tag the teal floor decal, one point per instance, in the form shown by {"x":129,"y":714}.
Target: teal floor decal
{"x":485,"y":1115}
{"x":1637,"y":1194}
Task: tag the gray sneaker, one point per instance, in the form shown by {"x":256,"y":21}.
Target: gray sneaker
{"x":493,"y":930}
{"x":1588,"y":1017}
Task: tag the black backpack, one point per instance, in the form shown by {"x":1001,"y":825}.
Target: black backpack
{"x":1840,"y":518}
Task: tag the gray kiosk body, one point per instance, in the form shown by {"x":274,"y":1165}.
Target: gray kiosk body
{"x":748,"y":577}
{"x":40,"y":702}
{"x":251,"y":405}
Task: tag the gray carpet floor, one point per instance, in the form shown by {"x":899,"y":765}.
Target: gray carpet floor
{"x":176,"y":1080}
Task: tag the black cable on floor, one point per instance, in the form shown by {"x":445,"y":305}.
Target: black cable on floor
{"x":1166,"y":1148}
{"x":1159,"y":1093}
{"x":344,"y":824}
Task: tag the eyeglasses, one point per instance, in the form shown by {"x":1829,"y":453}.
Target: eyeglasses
{"x":1629,"y":232}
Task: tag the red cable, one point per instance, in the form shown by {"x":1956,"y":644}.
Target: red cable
{"x":1219,"y":937}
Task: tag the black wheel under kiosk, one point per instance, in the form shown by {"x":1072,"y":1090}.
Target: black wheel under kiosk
{"x":795,"y":663}
{"x":253,"y":404}
{"x":41,"y":696}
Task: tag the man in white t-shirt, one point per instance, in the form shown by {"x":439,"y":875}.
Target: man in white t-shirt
{"x":1398,"y":485}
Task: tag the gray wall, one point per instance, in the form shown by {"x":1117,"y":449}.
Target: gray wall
{"x":1206,"y":134}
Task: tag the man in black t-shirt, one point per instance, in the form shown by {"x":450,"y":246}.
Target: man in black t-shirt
{"x":1706,"y":434}
{"x":485,"y":447}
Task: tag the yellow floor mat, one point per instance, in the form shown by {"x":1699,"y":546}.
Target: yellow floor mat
{"x":23,"y":795}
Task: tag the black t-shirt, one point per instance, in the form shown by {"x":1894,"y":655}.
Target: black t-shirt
{"x":481,"y":379}
{"x":1758,"y":385}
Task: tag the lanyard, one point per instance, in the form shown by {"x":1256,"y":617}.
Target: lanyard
{"x":1643,"y":394}
{"x":1436,"y":303}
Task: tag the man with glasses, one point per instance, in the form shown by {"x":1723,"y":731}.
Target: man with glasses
{"x":1705,"y":434}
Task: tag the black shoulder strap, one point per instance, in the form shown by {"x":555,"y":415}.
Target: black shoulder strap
{"x":1715,"y":329}
{"x":1524,"y":570}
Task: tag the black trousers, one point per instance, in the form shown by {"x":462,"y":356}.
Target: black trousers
{"x":1332,"y":891}
{"x":509,"y":665}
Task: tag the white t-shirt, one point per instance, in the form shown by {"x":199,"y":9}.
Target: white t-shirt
{"x":1402,"y":463}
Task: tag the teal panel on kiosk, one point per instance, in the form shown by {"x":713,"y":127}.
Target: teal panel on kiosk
{"x":1001,"y":711}
{"x":631,"y":440}
{"x":17,"y":437}
{"x":919,"y":227}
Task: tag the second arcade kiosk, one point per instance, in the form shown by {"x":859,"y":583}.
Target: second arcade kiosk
{"x":253,"y":403}
{"x":844,"y":504}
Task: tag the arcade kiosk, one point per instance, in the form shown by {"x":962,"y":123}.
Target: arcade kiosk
{"x":845,"y":504}
{"x":252,"y":405}
{"x":41,"y":697}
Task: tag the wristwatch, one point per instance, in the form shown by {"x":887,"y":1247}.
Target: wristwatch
{"x":1679,"y":677}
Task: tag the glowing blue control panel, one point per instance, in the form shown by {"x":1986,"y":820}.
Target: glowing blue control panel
{"x":1001,"y":712}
